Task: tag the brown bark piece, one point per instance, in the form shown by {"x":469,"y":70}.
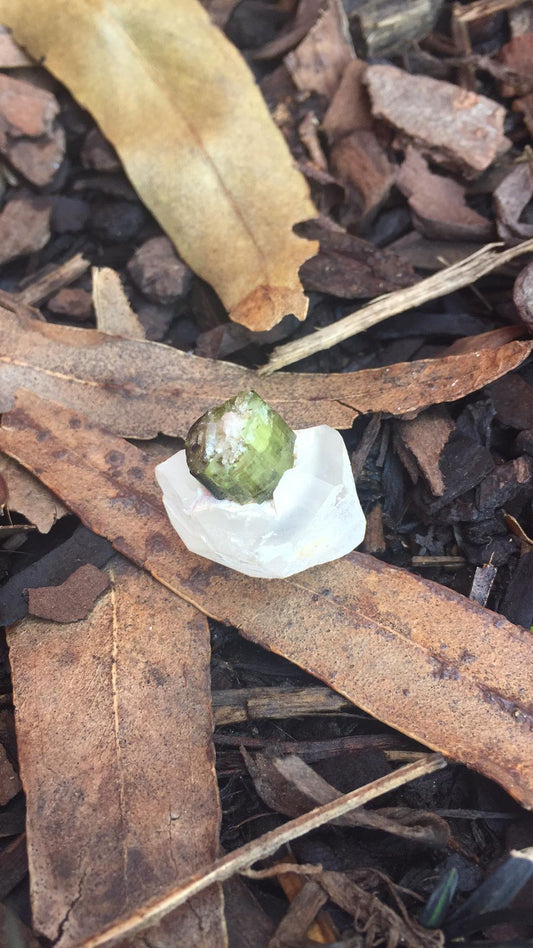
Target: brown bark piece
{"x":138,"y":389}
{"x":349,"y":267}
{"x":114,"y":735}
{"x":317,"y":64}
{"x":350,"y":107}
{"x":24,"y":226}
{"x":28,"y":137}
{"x":9,"y":782}
{"x":73,"y":599}
{"x":412,"y":653}
{"x":510,"y":199}
{"x":73,"y":302}
{"x":359,"y":161}
{"x":438,"y":204}
{"x":158,"y":272}
{"x":517,"y":54}
{"x":28,"y":496}
{"x":512,"y":398}
{"x":451,"y":125}
{"x":425,"y":437}
{"x":523,"y":295}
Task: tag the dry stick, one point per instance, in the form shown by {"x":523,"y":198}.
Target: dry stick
{"x":482,"y":8}
{"x":439,"y":284}
{"x":154,"y":911}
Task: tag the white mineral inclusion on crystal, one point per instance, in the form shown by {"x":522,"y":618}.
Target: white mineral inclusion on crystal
{"x":313,"y":517}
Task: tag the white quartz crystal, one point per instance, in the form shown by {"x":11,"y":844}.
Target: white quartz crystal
{"x":313,"y":517}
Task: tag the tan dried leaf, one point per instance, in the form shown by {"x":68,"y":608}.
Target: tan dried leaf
{"x":427,"y":661}
{"x":114,"y":738}
{"x":179,"y":104}
{"x":138,"y":388}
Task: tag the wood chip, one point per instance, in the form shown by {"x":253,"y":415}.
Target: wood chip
{"x":24,"y":225}
{"x":510,"y":199}
{"x":425,"y":437}
{"x":158,"y":272}
{"x":349,"y":267}
{"x":513,"y":400}
{"x":361,"y":164}
{"x":29,"y":139}
{"x":523,"y":295}
{"x":73,"y":302}
{"x":439,"y":204}
{"x":454,"y":127}
{"x":114,"y":736}
{"x":349,"y":110}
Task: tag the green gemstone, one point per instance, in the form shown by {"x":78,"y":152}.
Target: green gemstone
{"x":241,"y":449}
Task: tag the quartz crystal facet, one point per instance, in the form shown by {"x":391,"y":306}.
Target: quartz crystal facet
{"x":313,"y":516}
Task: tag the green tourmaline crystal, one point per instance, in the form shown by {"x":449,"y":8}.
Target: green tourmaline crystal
{"x":241,"y":449}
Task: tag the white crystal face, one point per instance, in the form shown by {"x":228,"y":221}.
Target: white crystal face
{"x":314,"y":516}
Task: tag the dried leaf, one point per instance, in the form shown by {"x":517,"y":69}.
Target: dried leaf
{"x":289,"y":786}
{"x":28,"y":496}
{"x":137,"y":388}
{"x":195,"y":138}
{"x":452,"y":125}
{"x":72,"y":600}
{"x":317,"y":64}
{"x":414,"y":654}
{"x":113,"y":312}
{"x":114,"y":734}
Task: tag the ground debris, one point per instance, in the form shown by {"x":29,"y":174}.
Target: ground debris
{"x":454,"y":127}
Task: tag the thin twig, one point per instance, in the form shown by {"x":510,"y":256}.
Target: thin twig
{"x":460,"y":274}
{"x":152,"y":912}
{"x":482,"y":8}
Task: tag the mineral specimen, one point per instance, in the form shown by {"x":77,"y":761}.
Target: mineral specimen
{"x":312,"y":515}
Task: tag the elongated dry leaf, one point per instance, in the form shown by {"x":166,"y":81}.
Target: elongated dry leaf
{"x":114,"y":737}
{"x":137,"y":388}
{"x":414,"y":654}
{"x":180,"y":106}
